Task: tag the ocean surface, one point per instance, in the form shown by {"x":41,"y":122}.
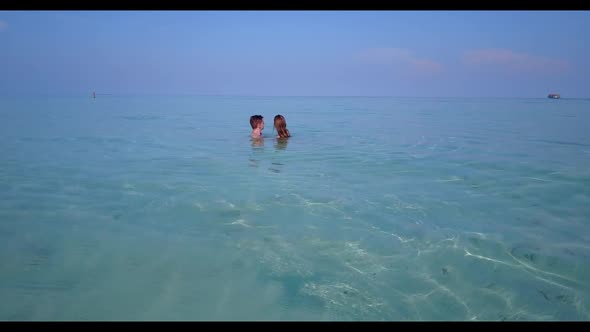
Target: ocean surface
{"x":163,"y":208}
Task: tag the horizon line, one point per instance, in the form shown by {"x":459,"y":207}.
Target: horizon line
{"x":276,"y":96}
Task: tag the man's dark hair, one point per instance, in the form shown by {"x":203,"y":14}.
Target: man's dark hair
{"x":255,"y":120}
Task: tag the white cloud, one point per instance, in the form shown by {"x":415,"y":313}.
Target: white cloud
{"x":513,"y":60}
{"x":398,"y":56}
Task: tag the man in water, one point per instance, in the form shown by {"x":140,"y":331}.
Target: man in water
{"x":257,"y":124}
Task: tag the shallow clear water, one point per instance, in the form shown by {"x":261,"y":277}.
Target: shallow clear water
{"x":162,"y":208}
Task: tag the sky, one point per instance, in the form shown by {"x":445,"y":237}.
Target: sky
{"x":296,"y":53}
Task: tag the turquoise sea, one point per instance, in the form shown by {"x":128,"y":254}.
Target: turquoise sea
{"x":377,"y":208}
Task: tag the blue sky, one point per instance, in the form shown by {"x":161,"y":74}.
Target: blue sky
{"x":297,"y":53}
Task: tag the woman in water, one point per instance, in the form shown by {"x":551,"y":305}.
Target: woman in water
{"x":281,"y":126}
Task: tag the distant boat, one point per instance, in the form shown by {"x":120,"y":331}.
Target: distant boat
{"x":554,"y":96}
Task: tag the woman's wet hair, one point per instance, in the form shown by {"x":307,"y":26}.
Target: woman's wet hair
{"x":281,"y":126}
